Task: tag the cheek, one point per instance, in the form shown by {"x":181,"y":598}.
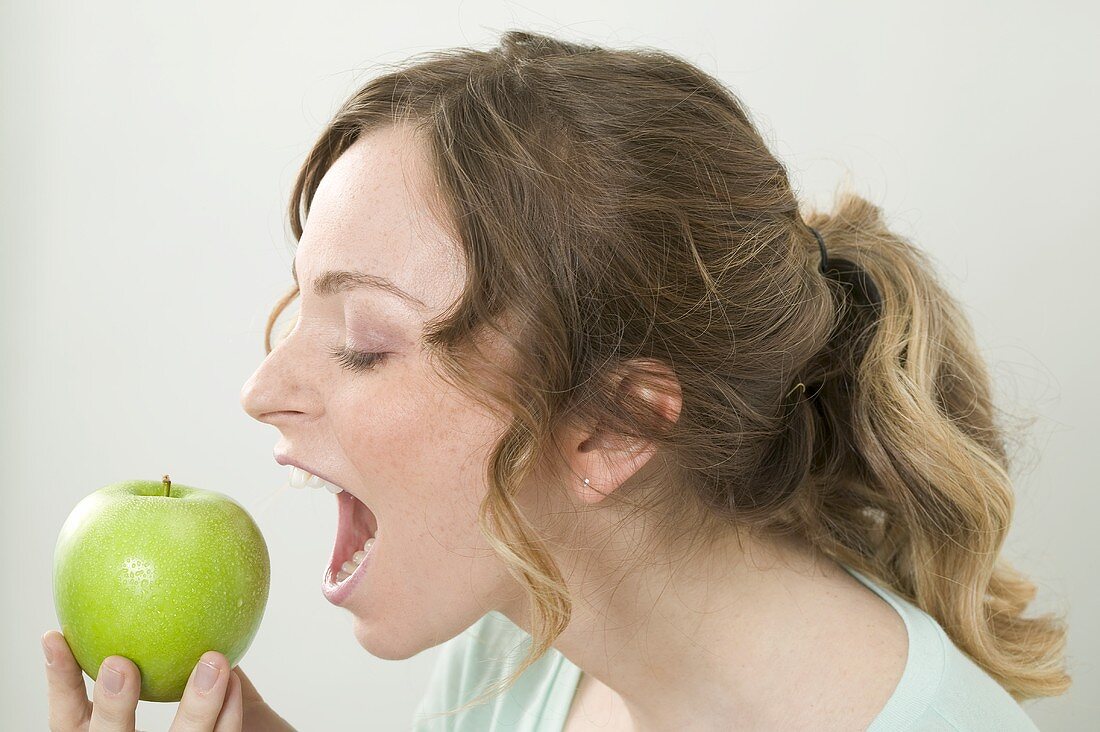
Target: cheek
{"x":408,"y":438}
{"x":419,"y":451}
{"x":421,"y":454}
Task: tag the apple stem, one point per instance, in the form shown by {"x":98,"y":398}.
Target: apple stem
{"x":167,"y":486}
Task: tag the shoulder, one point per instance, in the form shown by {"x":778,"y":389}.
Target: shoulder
{"x":968,"y":698}
{"x":942,"y":688}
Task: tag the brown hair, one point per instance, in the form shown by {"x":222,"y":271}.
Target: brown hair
{"x":620,"y":214}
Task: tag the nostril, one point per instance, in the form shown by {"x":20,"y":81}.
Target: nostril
{"x":280,"y":416}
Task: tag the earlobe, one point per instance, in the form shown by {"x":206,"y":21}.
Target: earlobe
{"x":590,"y":493}
{"x":605,"y":476}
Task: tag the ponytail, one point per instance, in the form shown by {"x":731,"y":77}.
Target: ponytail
{"x":910,"y":473}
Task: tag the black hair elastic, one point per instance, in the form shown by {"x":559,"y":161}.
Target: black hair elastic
{"x":824,"y":266}
{"x":821,"y":245}
{"x":851,"y":274}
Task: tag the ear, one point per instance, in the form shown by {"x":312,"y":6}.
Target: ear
{"x":609,"y":460}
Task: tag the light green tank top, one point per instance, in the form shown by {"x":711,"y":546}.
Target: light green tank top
{"x":940,"y":688}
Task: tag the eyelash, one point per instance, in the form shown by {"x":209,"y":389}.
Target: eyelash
{"x":356,"y":360}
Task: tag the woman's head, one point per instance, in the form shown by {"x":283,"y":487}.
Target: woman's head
{"x":619,"y":285}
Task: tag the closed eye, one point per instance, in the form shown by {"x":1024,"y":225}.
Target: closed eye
{"x":356,"y":360}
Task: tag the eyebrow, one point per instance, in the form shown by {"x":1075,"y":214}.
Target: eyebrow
{"x":337,"y":281}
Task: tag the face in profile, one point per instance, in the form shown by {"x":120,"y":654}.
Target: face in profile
{"x":353,"y":396}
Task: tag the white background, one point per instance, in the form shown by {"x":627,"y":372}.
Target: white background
{"x":148,"y":153}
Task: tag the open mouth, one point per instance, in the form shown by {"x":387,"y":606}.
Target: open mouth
{"x":356,"y":537}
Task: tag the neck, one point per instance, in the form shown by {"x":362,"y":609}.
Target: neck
{"x":719,"y":634}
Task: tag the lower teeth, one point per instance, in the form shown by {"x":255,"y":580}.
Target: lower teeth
{"x":350,"y":565}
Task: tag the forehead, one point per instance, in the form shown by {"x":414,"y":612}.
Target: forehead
{"x":371,"y":213}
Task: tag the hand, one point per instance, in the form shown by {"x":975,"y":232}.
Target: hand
{"x":231,"y":704}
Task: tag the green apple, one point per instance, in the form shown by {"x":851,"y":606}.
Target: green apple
{"x":159,"y":573}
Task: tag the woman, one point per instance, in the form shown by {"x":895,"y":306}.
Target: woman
{"x":640,"y":444}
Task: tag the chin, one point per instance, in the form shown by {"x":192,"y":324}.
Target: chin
{"x":383,"y":642}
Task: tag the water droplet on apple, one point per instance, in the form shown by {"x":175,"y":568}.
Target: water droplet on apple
{"x":139,"y":574}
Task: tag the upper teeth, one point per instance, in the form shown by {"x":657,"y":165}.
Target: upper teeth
{"x":300,"y":479}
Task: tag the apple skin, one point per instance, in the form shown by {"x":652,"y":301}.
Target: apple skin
{"x":160,"y":580}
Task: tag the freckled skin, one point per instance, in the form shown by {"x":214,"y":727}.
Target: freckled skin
{"x":160,"y":587}
{"x":406,"y":443}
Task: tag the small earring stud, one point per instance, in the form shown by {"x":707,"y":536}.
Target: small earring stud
{"x":586,"y":481}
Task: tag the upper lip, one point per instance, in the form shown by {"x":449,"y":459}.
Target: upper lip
{"x":287,"y":460}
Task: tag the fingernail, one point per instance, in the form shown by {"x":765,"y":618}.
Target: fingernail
{"x":47,"y":651}
{"x":206,"y":676}
{"x":112,"y":679}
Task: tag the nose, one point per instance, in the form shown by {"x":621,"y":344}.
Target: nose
{"x":250,"y":397}
{"x":273,"y":393}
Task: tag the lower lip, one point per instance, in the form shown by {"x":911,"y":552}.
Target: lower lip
{"x":338,"y":592}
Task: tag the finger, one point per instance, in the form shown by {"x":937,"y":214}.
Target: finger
{"x":231,"y":718}
{"x":248,"y":691}
{"x":115,"y":696}
{"x":69,"y":705}
{"x":203,"y":697}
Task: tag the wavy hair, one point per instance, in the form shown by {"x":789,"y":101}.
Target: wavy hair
{"x":619,"y":213}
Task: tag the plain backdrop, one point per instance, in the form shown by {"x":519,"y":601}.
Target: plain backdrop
{"x":148,"y":153}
